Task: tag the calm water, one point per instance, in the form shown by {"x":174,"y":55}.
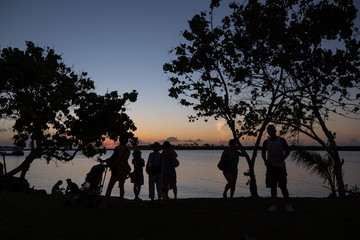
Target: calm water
{"x":197,"y":175}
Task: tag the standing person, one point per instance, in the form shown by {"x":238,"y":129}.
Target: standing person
{"x":119,"y":167}
{"x":168,"y":170}
{"x":230,"y":157}
{"x":72,"y":187}
{"x":153,"y":169}
{"x":138,"y":175}
{"x":56,"y":190}
{"x":274,"y":152}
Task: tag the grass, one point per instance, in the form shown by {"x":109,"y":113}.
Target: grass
{"x":30,"y":216}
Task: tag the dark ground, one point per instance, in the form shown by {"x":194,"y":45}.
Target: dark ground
{"x":31,"y":216}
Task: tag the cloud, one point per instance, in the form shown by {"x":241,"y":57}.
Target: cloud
{"x":222,"y":142}
{"x":222,"y":131}
{"x":172,"y":139}
{"x":219,"y":125}
{"x":176,"y":140}
{"x":192,"y":141}
{"x":354,"y":142}
{"x":144,"y":143}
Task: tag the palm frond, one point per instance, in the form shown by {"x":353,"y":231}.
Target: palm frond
{"x":314,"y":163}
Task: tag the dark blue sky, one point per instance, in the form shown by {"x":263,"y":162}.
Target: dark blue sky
{"x":123,"y":46}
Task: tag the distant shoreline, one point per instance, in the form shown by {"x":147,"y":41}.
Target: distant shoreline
{"x":181,"y":147}
{"x":310,"y":148}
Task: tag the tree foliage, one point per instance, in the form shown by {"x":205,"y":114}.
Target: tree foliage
{"x":323,"y":68}
{"x":56,"y":110}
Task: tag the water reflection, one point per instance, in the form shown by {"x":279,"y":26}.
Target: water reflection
{"x":197,"y":174}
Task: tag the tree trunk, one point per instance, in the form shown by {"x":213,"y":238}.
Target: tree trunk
{"x":332,"y":185}
{"x":333,"y":151}
{"x":252,"y":185}
{"x":23,"y":167}
{"x":338,"y":173}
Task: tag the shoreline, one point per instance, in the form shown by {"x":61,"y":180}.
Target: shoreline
{"x":180,"y":147}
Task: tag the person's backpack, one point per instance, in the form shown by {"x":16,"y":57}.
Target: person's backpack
{"x":221,"y":165}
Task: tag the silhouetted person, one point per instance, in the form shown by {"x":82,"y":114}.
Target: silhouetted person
{"x":72,"y":187}
{"x":120,"y":169}
{"x":56,"y":190}
{"x":138,"y":178}
{"x":230,"y":156}
{"x":153,"y":168}
{"x":274,"y":152}
{"x":168,"y":170}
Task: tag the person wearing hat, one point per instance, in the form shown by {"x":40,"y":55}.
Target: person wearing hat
{"x":137,"y":176}
{"x":72,"y":187}
{"x":153,"y":169}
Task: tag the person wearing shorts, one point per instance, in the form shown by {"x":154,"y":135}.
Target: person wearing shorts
{"x":274,"y":152}
{"x":230,"y":157}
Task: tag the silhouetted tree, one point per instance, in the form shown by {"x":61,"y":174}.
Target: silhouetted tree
{"x":320,"y":53}
{"x":55,"y":111}
{"x":270,"y":62}
{"x":219,"y":75}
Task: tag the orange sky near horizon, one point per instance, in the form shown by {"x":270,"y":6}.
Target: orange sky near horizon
{"x":211,"y":132}
{"x":218,"y":133}
{"x":347,"y":132}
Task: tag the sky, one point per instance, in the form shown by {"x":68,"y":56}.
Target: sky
{"x":123,"y":45}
